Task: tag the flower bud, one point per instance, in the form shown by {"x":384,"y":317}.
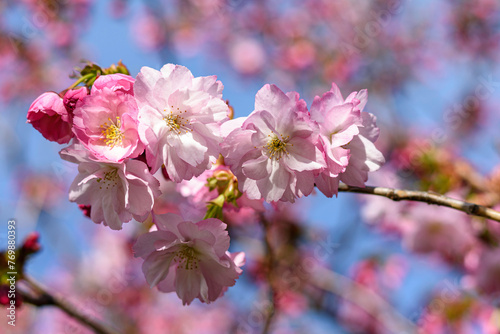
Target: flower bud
{"x":71,"y":98}
{"x":48,"y":115}
{"x":31,"y":244}
{"x":116,"y":82}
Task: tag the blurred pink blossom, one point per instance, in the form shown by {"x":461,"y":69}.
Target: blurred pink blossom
{"x":148,"y":31}
{"x":441,"y":231}
{"x":487,"y":275}
{"x":301,"y":54}
{"x":247,"y":55}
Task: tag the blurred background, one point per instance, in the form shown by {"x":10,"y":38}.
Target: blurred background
{"x":432,"y":74}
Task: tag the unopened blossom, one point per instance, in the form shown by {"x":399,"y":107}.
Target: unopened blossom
{"x":219,"y":181}
{"x":72,"y":97}
{"x":116,"y":192}
{"x":346,"y":138}
{"x":273,"y":153}
{"x":106,"y":124}
{"x":48,"y":115}
{"x":188,"y":258}
{"x":117,"y":82}
{"x":179,"y":119}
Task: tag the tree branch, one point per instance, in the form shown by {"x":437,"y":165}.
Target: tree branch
{"x":44,"y":298}
{"x":364,"y":298}
{"x":271,"y":262}
{"x":351,"y":291}
{"x":426,"y":197}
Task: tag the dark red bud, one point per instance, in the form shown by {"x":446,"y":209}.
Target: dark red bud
{"x":85,"y":209}
{"x":31,"y":244}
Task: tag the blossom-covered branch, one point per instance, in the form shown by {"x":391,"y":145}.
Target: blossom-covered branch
{"x":427,"y":197}
{"x":129,"y":135}
{"x":44,"y":298}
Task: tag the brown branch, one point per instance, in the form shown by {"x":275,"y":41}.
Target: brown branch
{"x":426,"y":197}
{"x":271,"y":261}
{"x":354,"y":292}
{"x":42,"y":297}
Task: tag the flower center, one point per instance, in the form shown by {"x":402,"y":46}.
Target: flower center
{"x":186,"y":258}
{"x":110,"y":179}
{"x":111,"y":132}
{"x":276,"y":146}
{"x":177,"y":123}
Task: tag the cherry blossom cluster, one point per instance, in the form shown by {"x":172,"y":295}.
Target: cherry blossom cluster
{"x":281,"y":150}
{"x":127,"y":133}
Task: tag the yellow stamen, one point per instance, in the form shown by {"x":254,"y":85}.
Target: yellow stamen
{"x":112,"y":135}
{"x":110,"y":179}
{"x":276,"y":146}
{"x":177,"y":123}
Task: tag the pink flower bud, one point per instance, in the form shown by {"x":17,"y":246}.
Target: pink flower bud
{"x":71,"y":98}
{"x":116,"y":82}
{"x":48,"y":115}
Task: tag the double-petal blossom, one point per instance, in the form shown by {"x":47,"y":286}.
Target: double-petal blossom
{"x":106,"y":123}
{"x":116,"y":192}
{"x":117,"y":82}
{"x":189,"y":258}
{"x":347,"y":136}
{"x":179,"y":119}
{"x":273,"y":151}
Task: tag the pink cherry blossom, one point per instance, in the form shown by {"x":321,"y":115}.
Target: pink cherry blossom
{"x":439,"y":231}
{"x":106,"y":124}
{"x":188,"y":258}
{"x":247,"y":55}
{"x":364,"y":156}
{"x":148,"y":32}
{"x":488,"y":272}
{"x":346,"y":138}
{"x":179,"y":119}
{"x":48,"y":115}
{"x":273,"y":154}
{"x":72,"y":97}
{"x":117,"y":82}
{"x":116,"y":192}
{"x":339,"y":122}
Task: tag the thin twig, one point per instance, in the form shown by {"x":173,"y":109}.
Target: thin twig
{"x":44,"y":298}
{"x":355,"y":293}
{"x":271,"y":261}
{"x":364,"y":298}
{"x":426,"y":197}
